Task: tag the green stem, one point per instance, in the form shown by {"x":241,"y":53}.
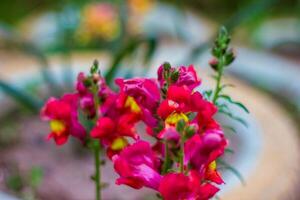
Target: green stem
{"x":97,"y":170}
{"x":97,"y":149}
{"x":166,"y":163}
{"x":219,"y":77}
{"x":181,"y":156}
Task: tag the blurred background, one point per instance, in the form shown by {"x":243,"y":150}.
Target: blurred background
{"x":44,"y":43}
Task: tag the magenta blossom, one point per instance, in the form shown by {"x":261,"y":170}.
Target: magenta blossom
{"x":187,"y":76}
{"x":146,"y":94}
{"x":63,"y":117}
{"x":137,"y":166}
{"x":177,"y":186}
{"x":201,"y":150}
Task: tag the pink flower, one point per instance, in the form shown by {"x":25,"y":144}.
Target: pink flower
{"x":169,"y":133}
{"x":177,"y":100}
{"x":146,"y":94}
{"x":188,"y":77}
{"x":63,"y":117}
{"x":205,"y":112}
{"x":109,"y":129}
{"x":137,"y":166}
{"x":201,"y":150}
{"x":87,"y":97}
{"x":177,"y":186}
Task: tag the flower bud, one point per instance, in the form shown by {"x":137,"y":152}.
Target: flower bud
{"x":96,"y":77}
{"x":214,"y":64}
{"x":229,"y":57}
{"x":175,"y":76}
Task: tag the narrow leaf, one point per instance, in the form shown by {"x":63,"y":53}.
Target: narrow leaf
{"x":151,"y":47}
{"x":230,"y":128}
{"x":128,"y":49}
{"x":242,"y":121}
{"x":230,"y":151}
{"x":232,"y":169}
{"x":239,"y":104}
{"x":21,"y":97}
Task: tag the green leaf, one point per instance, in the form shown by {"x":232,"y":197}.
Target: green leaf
{"x":226,"y":86}
{"x":223,"y":107}
{"x":230,"y":128}
{"x":207,"y":94}
{"x":36,"y":176}
{"x":151,"y":48}
{"x":230,"y":151}
{"x":15,"y":182}
{"x":21,"y":97}
{"x":231,"y":169}
{"x":238,"y":119}
{"x":239,"y":104}
{"x":127,"y":50}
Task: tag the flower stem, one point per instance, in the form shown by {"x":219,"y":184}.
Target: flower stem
{"x":181,"y":158}
{"x":97,"y":177}
{"x":166,"y":162}
{"x":219,"y":77}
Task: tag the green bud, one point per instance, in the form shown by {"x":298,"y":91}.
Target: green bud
{"x":95,"y":67}
{"x":216,"y":52}
{"x":214,"y":64}
{"x":167,"y":66}
{"x":180,"y":126}
{"x":189,"y":131}
{"x":175,"y":76}
{"x":87,"y":82}
{"x":229,"y":57}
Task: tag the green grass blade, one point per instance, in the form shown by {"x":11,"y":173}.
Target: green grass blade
{"x":21,"y":97}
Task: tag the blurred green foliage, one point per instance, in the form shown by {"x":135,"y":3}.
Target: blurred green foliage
{"x":12,"y":11}
{"x":223,"y":9}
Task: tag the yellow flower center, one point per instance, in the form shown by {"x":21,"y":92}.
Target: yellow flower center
{"x":119,"y":144}
{"x":175,"y":118}
{"x":212,"y":166}
{"x":132,"y":105}
{"x":57,"y":127}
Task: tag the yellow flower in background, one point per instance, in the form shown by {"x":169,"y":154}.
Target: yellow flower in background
{"x":140,"y":6}
{"x":138,"y":10}
{"x":99,"y":21}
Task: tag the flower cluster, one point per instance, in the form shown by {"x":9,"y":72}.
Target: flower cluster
{"x":181,"y":164}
